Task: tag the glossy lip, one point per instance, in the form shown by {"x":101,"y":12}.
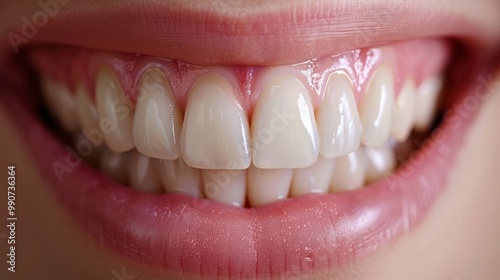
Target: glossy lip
{"x":198,"y":237}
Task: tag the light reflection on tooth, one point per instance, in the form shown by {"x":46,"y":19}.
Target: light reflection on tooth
{"x":177,"y":176}
{"x":114,"y":165}
{"x":143,"y":172}
{"x":349,"y":172}
{"x":268,"y":185}
{"x":404,"y":112}
{"x":376,"y":107}
{"x":426,"y":103}
{"x":115,"y":114}
{"x":227,"y":186}
{"x":86,"y":110}
{"x":284,"y":131}
{"x":157,"y":118}
{"x":381,"y":162}
{"x":313,"y":179}
{"x":338,"y":120}
{"x":215,"y":132}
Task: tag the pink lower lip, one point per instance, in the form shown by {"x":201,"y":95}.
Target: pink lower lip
{"x":200,"y":237}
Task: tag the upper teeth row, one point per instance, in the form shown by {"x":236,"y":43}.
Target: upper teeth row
{"x":214,"y":131}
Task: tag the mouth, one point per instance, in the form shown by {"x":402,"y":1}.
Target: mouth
{"x":209,"y":161}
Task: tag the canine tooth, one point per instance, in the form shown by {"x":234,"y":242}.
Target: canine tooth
{"x":404,"y":112}
{"x":227,"y":186}
{"x":215,"y":132}
{"x":268,"y":185}
{"x":177,"y":176}
{"x":338,"y":120}
{"x":157,"y":119}
{"x":115,"y":165}
{"x":115,"y":113}
{"x":86,"y":110}
{"x":426,"y":103}
{"x":349,"y":172}
{"x":381,"y":163}
{"x":284,"y":132}
{"x":144,"y":173}
{"x":376,"y":108}
{"x":313,"y":179}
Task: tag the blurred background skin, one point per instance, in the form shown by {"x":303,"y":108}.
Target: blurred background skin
{"x":458,"y":240}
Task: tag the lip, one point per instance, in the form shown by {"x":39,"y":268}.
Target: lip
{"x":198,"y":237}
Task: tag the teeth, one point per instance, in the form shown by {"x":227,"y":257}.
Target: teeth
{"x":86,"y":111}
{"x":381,"y":163}
{"x":338,"y":120}
{"x":62,"y":103}
{"x":227,"y":186}
{"x":284,"y":132}
{"x":426,"y":103}
{"x":268,"y":185}
{"x":143,"y":173}
{"x":157,"y":119}
{"x":313,"y":179}
{"x":376,"y":108}
{"x":215,"y":133}
{"x":114,"y":112}
{"x":115,"y":165}
{"x":177,"y":176}
{"x":404,"y":112}
{"x":349,"y":172}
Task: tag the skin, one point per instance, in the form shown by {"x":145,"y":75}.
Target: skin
{"x":458,"y":239}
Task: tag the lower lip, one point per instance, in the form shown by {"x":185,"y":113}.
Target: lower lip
{"x":200,"y":237}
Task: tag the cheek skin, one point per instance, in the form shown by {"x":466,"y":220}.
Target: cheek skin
{"x":458,"y":239}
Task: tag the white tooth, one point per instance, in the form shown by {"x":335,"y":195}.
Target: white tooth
{"x":381,"y":163}
{"x":338,"y":120}
{"x":404,"y":112}
{"x":227,"y":186}
{"x":144,"y":173}
{"x":157,"y":118}
{"x":115,"y":165}
{"x":48,"y":92}
{"x":85,"y":148}
{"x":349,"y":172}
{"x":64,"y":105}
{"x":268,"y":185}
{"x":376,"y":107}
{"x":284,"y":132}
{"x":426,"y":103}
{"x":313,"y":179}
{"x":177,"y":176}
{"x":86,"y":111}
{"x":215,"y":132}
{"x":115,"y":113}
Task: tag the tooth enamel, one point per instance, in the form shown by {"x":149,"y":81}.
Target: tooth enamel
{"x":404,"y":112}
{"x":143,"y":172}
{"x":65,"y":107}
{"x":227,"y":186}
{"x":313,"y":179}
{"x":349,"y":172}
{"x":115,"y":165}
{"x":338,"y":120}
{"x":268,"y":185}
{"x":157,"y":119}
{"x":284,"y":132}
{"x":115,"y":114}
{"x":376,"y":107}
{"x":86,"y":111}
{"x":177,"y":176}
{"x":381,"y":163}
{"x":215,"y":132}
{"x":426,"y":103}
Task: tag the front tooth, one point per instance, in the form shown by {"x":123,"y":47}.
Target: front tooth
{"x":404,"y":112}
{"x":349,"y":172}
{"x":86,"y":111}
{"x":227,"y":186}
{"x":268,"y":185}
{"x":215,"y":132}
{"x":426,"y":103}
{"x":177,"y":176}
{"x":338,"y":120}
{"x":376,"y":108}
{"x":381,"y":163}
{"x":115,"y":113}
{"x":157,"y":118}
{"x":144,"y":173}
{"x":313,"y":179}
{"x":284,"y":132}
{"x":115,"y":165}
